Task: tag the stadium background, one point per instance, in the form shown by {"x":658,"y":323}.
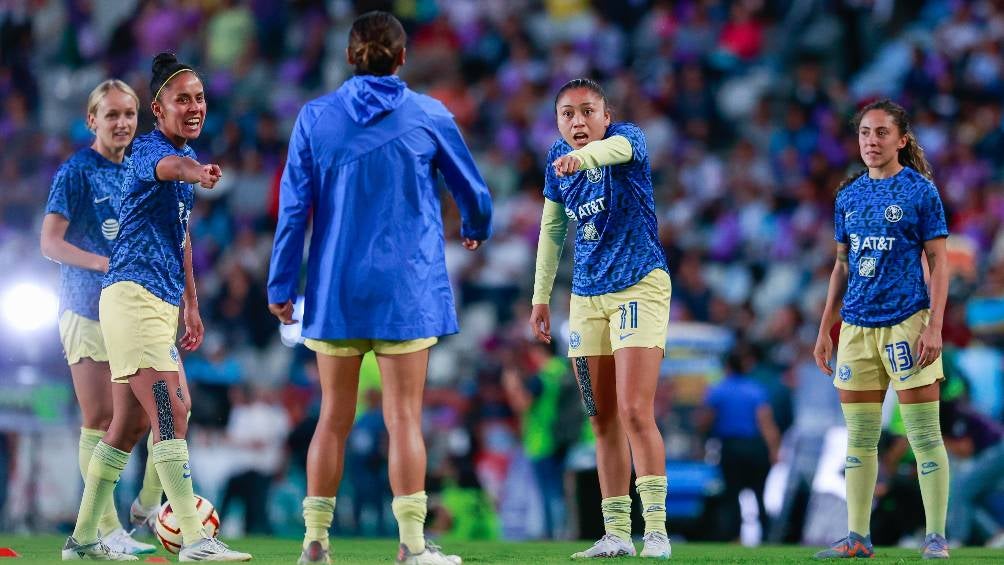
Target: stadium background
{"x":745,"y":105}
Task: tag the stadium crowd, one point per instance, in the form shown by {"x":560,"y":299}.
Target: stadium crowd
{"x":745,"y":106}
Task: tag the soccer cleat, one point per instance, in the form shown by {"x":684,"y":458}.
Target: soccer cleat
{"x":211,"y":549}
{"x":935,"y":547}
{"x":656,"y":545}
{"x":96,"y":551}
{"x":140,"y":515}
{"x":854,"y":545}
{"x":314,"y":553}
{"x":433,"y":555}
{"x":122,"y":541}
{"x":608,"y":546}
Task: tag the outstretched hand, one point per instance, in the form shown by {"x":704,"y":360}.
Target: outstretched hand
{"x":210,"y":175}
{"x":566,"y":165}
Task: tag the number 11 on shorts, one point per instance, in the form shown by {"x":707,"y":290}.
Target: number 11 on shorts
{"x":631,"y":308}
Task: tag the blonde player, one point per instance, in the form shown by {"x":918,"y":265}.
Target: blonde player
{"x":80,"y":225}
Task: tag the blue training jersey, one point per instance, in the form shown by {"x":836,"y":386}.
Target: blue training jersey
{"x":617,"y":236}
{"x":154,"y":220}
{"x":85,"y":191}
{"x":884,"y":223}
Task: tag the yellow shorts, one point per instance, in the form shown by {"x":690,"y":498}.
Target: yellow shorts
{"x":355,"y":347}
{"x":81,"y":338}
{"x":637,"y":316}
{"x":871,"y":358}
{"x":139,"y":329}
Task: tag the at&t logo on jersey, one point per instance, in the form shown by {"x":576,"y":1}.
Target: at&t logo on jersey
{"x":893,"y":213}
{"x":874,"y":242}
{"x":110,"y":228}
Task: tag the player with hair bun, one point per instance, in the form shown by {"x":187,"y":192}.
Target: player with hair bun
{"x":363,"y":161}
{"x":149,"y":279}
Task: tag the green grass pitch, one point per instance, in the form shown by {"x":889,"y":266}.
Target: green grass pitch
{"x":45,"y":549}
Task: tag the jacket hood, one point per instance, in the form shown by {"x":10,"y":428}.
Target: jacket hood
{"x":367,"y":98}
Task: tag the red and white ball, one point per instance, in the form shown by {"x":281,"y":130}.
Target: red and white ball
{"x":168,"y":531}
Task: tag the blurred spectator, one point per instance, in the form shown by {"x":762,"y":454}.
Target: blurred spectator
{"x":976,"y":445}
{"x":738,"y":415}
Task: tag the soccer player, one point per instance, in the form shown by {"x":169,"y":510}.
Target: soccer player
{"x":149,"y":277}
{"x":80,"y":224}
{"x":362,"y":163}
{"x":599,"y":175}
{"x":885,"y":220}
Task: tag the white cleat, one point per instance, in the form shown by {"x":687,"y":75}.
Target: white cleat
{"x":96,"y":551}
{"x":607,"y":546}
{"x":140,"y":515}
{"x":122,"y":541}
{"x":211,"y":549}
{"x":433,"y":555}
{"x":656,"y":546}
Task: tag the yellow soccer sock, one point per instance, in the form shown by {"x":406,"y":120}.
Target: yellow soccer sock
{"x":410,"y":514}
{"x":617,"y":516}
{"x":103,"y":471}
{"x":171,"y":458}
{"x":652,"y":491}
{"x":89,"y":438}
{"x":923,"y":429}
{"x":864,"y":427}
{"x":152,"y":491}
{"x":318,"y":512}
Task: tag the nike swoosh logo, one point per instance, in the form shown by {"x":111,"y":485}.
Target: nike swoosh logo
{"x":929,"y":471}
{"x":100,"y":200}
{"x":625,"y":336}
{"x":904,"y":377}
{"x":849,"y":214}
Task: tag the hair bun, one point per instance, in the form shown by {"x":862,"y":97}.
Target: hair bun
{"x":164,"y":60}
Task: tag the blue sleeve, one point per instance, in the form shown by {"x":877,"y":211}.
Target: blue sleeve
{"x":839,"y":230}
{"x":714,"y":397}
{"x":64,"y":194}
{"x":552,"y":188}
{"x":463,"y":180}
{"x":296,"y":193}
{"x":634,"y":135}
{"x":931,"y":214}
{"x":146,"y":153}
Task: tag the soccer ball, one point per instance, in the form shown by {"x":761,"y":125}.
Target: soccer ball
{"x":168,"y":531}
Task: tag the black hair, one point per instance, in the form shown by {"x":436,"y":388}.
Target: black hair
{"x":165,"y":67}
{"x":588,"y":84}
{"x":911,"y":155}
{"x":375,"y":43}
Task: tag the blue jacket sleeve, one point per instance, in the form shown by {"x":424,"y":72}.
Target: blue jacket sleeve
{"x":463,"y":180}
{"x":295,"y":196}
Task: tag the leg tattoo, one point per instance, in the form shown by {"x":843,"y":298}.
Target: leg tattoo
{"x":181,"y":395}
{"x":165,"y":416}
{"x":585,"y":385}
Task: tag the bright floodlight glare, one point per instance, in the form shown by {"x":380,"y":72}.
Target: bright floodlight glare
{"x":27,"y":307}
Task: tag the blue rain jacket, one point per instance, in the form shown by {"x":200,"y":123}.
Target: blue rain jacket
{"x":362,"y":162}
